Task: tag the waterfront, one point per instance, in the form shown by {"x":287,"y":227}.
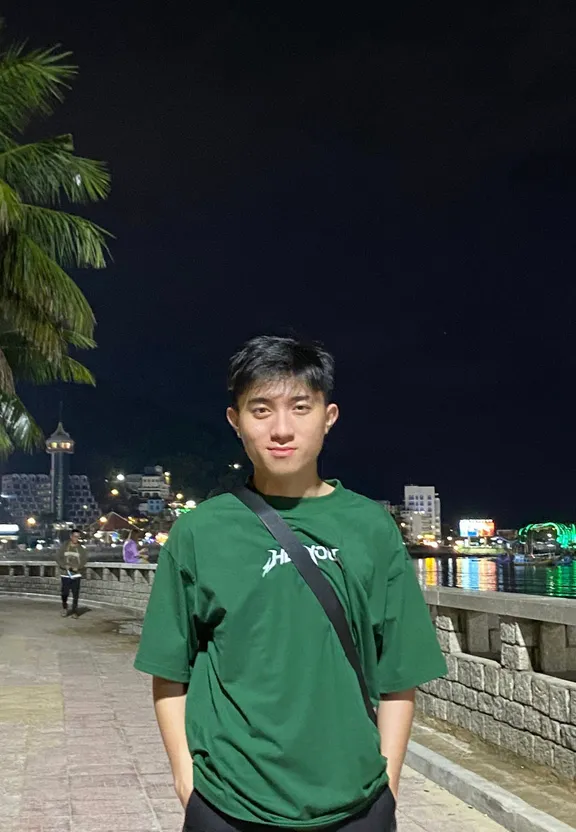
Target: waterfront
{"x":497,"y":575}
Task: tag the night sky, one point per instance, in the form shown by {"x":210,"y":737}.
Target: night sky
{"x":396,"y":180}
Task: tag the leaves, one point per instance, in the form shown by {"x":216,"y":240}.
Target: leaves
{"x":30,"y":364}
{"x":29,"y":84}
{"x":43,"y":313}
{"x":10,"y":207}
{"x":6,"y":374}
{"x":32,"y":276}
{"x":65,"y":238}
{"x":45,"y":170}
{"x":17,"y":427}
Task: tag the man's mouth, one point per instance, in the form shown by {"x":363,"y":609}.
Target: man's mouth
{"x":280,"y":453}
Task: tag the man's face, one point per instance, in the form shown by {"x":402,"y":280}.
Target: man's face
{"x":282,"y":425}
{"x":74,"y":538}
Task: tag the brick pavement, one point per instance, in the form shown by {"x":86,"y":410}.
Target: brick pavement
{"x":79,"y":746}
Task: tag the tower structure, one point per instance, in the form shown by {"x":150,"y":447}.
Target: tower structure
{"x":60,"y":445}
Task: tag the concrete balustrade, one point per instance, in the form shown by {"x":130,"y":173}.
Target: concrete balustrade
{"x":511,"y":671}
{"x":117,"y":584}
{"x":511,"y":658}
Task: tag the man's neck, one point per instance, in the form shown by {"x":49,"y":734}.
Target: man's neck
{"x":304,"y":484}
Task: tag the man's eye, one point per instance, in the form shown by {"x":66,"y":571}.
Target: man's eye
{"x":260,"y":411}
{"x":302,"y":408}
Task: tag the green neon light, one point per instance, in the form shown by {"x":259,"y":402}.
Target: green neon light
{"x":565,"y":535}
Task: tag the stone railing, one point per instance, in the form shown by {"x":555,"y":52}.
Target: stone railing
{"x":118,"y":584}
{"x":511,"y":672}
{"x":511,"y":658}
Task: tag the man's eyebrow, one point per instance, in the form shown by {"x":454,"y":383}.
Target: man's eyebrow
{"x":263,"y":400}
{"x":258,"y":400}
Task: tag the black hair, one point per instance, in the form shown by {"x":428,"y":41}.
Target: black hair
{"x":269,"y":357}
{"x":75,"y":531}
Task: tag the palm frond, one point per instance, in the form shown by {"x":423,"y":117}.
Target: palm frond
{"x":29,"y":320}
{"x":6,"y":374}
{"x":30,"y":82}
{"x":10,"y":207}
{"x":42,"y":171}
{"x":75,"y":339}
{"x":28,"y":364}
{"x":66,"y":238}
{"x":31,"y":275}
{"x":17,"y":427}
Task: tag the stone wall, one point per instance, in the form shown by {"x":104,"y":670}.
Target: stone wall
{"x":118,"y":584}
{"x":510,"y":658}
{"x":511,"y":661}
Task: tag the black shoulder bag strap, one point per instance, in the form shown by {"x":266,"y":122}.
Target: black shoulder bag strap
{"x":315,"y":579}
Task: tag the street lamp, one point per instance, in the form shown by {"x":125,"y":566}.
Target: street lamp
{"x":120,"y":477}
{"x":179,"y":496}
{"x":114,"y":492}
{"x":31,"y":521}
{"x":103,"y":519}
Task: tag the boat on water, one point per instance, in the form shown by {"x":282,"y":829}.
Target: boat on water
{"x":536,"y":559}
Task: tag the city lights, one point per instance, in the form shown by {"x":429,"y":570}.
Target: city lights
{"x":120,"y":477}
{"x":114,"y":492}
{"x":31,"y":521}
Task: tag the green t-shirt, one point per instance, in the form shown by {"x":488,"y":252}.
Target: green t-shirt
{"x":275,"y":719}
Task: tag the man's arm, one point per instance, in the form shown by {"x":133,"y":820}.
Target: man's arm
{"x":395,"y":715}
{"x":170,"y":707}
{"x":59,"y":556}
{"x":83,"y":558}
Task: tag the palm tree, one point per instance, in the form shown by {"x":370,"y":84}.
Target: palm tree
{"x":43,"y":313}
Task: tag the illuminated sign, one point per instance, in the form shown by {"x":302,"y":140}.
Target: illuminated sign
{"x":477,"y":528}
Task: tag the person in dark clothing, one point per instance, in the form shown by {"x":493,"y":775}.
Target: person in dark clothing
{"x":71,"y":557}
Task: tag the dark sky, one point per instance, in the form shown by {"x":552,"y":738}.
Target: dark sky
{"x":395,"y":179}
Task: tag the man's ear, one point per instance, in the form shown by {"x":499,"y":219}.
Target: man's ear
{"x":232,"y":416}
{"x":332,"y":414}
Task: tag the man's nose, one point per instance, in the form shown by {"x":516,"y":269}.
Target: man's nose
{"x":282,"y":429}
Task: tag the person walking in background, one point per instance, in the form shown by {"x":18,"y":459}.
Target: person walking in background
{"x":71,"y":557}
{"x":286,"y":631}
{"x":130,"y":551}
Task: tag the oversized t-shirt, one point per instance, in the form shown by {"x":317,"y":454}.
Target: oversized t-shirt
{"x":275,"y":720}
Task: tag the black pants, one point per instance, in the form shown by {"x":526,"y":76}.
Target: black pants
{"x":67,"y":585}
{"x":201,"y":816}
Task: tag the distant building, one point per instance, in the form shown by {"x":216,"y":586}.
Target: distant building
{"x":68,"y":498}
{"x":26,"y":495}
{"x":422,"y":512}
{"x":153,"y":484}
{"x":82,"y":506}
{"x":152,"y":506}
{"x":30,"y":495}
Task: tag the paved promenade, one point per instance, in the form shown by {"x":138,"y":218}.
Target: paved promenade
{"x":79,"y":746}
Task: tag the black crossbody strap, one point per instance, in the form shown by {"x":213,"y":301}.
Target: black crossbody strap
{"x":315,"y":579}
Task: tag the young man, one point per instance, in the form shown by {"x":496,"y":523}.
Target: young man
{"x":71,"y":558}
{"x":260,"y":711}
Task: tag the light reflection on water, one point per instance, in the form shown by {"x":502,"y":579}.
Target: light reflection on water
{"x":498,"y":576}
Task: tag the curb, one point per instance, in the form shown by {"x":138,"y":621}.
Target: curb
{"x":501,"y":806}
